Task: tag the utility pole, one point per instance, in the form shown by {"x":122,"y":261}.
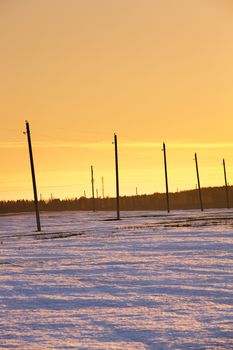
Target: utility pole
{"x":198,"y":182}
{"x":136,"y":191}
{"x":93,"y":190}
{"x":117,"y":179}
{"x":33,"y":176}
{"x":102,"y":181}
{"x":226,"y":185}
{"x":97,"y":193}
{"x":166,"y":177}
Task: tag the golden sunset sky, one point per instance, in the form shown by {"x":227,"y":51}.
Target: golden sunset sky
{"x":149,"y":70}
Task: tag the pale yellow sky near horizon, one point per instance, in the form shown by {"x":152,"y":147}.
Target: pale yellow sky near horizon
{"x":151,"y":71}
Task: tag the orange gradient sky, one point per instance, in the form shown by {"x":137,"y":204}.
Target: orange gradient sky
{"x":80,"y":70}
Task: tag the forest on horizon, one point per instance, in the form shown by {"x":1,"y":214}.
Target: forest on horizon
{"x":212,"y":197}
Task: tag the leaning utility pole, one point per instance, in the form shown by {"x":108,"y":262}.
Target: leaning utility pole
{"x":166,"y":177}
{"x":93,"y":190}
{"x":33,"y":176}
{"x":198,"y":182}
{"x":117,"y":179}
{"x":226,"y":184}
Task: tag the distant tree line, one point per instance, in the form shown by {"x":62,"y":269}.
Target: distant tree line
{"x":213,"y":197}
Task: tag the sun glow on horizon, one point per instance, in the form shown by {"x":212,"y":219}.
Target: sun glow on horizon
{"x":69,"y":179}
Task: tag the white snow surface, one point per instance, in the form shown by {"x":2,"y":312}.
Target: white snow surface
{"x":148,"y":281}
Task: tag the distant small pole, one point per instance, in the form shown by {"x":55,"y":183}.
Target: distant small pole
{"x":93,"y":190}
{"x":226,"y":185}
{"x":166,"y":177}
{"x":198,"y":182}
{"x":84,"y":193}
{"x":136,"y":191}
{"x":51,"y":196}
{"x":33,"y":176}
{"x":102,"y":181}
{"x":97,"y":193}
{"x":117,"y":179}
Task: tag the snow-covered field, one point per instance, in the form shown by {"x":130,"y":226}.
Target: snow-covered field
{"x":150,"y":281}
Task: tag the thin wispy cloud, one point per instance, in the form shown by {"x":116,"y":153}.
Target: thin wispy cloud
{"x":93,"y":145}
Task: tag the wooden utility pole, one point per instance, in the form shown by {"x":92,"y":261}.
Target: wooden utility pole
{"x":33,"y":176}
{"x":102,"y":181}
{"x":117,"y":179}
{"x":166,"y":177}
{"x":198,"y":182}
{"x":136,"y":191}
{"x":226,"y":184}
{"x":93,"y":190}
